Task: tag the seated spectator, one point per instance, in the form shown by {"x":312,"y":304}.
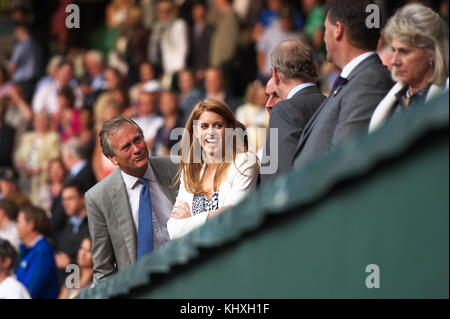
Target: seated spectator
{"x":189,"y":94}
{"x":37,"y":269}
{"x":200,"y":34}
{"x":50,"y":193}
{"x":69,"y":238}
{"x":52,"y":70}
{"x":314,"y":12}
{"x":34,"y":151}
{"x":26,"y":60}
{"x":172,"y":119}
{"x":10,"y":287}
{"x":68,"y":116}
{"x":215,"y":88}
{"x":216,"y":171}
{"x":225,"y":38}
{"x":114,"y":90}
{"x":148,"y":119}
{"x":419,"y":40}
{"x":46,"y":96}
{"x":8,"y":216}
{"x":280,"y":30}
{"x":87,"y":134}
{"x":84,"y":261}
{"x":147,"y":73}
{"x":94,"y":83}
{"x":168,"y":43}
{"x":254,"y":115}
{"x":9,"y":188}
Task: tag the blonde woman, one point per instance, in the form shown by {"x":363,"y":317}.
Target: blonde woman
{"x":418,"y":37}
{"x":216,"y":170}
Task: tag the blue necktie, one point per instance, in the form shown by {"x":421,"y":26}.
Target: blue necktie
{"x":337,"y":85}
{"x":145,"y":229}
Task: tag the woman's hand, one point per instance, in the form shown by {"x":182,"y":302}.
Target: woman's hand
{"x":181,"y":210}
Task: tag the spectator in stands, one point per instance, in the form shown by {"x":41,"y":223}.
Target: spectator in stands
{"x":294,"y":71}
{"x":216,"y":171}
{"x":10,"y":287}
{"x":129,"y":209}
{"x":68,"y":116}
{"x":147,"y":73}
{"x":84,"y":261}
{"x":172,"y":119}
{"x":363,"y":81}
{"x":280,"y":30}
{"x":9,"y":189}
{"x":37,"y":269}
{"x":189,"y":95}
{"x":52,"y":70}
{"x":168,"y":45}
{"x":69,"y":238}
{"x":115,"y":88}
{"x":8,"y":216}
{"x":254,"y":116}
{"x":26,"y":60}
{"x":95,"y":67}
{"x":314,"y":12}
{"x":215,"y":88}
{"x":34,"y":151}
{"x":200,"y":34}
{"x":50,"y":193}
{"x":148,"y":119}
{"x":79,"y":171}
{"x":87,"y":134}
{"x":225,"y":39}
{"x":419,"y":40}
{"x":7,"y":134}
{"x":46,"y":96}
{"x":136,"y":45}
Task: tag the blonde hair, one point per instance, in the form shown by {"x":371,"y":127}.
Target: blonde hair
{"x":190,"y":169}
{"x":419,"y":26}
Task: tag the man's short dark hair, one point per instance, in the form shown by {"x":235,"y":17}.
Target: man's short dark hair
{"x":352,"y":14}
{"x":38,"y":216}
{"x":7,"y":251}
{"x":10,"y":208}
{"x":78,"y":187}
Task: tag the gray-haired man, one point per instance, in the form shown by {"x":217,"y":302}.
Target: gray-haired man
{"x":129,"y":209}
{"x":294,"y":73}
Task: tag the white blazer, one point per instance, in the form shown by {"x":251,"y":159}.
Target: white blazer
{"x":240,"y":180}
{"x":384,"y":108}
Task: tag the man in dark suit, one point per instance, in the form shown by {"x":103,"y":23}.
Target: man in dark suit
{"x":80,"y":172}
{"x":294,"y":73}
{"x":129,"y":209}
{"x":363,"y":81}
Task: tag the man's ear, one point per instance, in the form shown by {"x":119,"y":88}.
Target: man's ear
{"x":276,"y":76}
{"x":338,"y":31}
{"x":114,"y":160}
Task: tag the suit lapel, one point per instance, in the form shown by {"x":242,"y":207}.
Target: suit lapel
{"x":122,"y":210}
{"x":360,"y":67}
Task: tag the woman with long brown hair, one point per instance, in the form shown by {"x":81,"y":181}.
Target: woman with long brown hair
{"x":216,"y":170}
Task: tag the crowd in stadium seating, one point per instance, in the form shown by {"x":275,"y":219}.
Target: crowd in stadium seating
{"x":153,"y":61}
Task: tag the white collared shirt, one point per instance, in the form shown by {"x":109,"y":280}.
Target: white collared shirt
{"x":354,"y":63}
{"x":298,"y":88}
{"x":160,"y":202}
{"x":77,"y":168}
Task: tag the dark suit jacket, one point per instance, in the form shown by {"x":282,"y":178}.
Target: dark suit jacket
{"x":111,"y":225}
{"x":289,"y":117}
{"x":346,"y":113}
{"x":86,"y":179}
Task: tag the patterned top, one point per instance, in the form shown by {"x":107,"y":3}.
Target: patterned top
{"x":200,"y":203}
